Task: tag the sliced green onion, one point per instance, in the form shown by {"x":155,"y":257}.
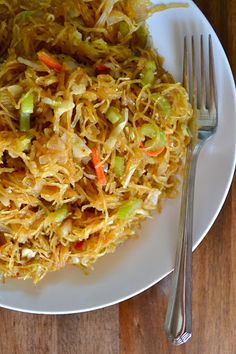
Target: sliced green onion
{"x":24,"y":122}
{"x":60,"y":214}
{"x":119,"y":166}
{"x":128,"y":208}
{"x":148,"y":76}
{"x":157,"y":136}
{"x":150,"y":64}
{"x":26,"y":108}
{"x":113,"y":114}
{"x":149,"y":130}
{"x":124,"y":28}
{"x":185,"y":129}
{"x":26,"y":14}
{"x":24,"y":142}
{"x":27,"y":103}
{"x":163,"y":103}
{"x":148,"y":73}
{"x":142,"y":36}
{"x":157,"y":143}
{"x":77,"y":37}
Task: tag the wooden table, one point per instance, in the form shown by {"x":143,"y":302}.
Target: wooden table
{"x":136,"y":326}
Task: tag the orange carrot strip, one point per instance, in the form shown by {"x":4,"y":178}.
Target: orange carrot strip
{"x":50,"y":61}
{"x":102,"y":69}
{"x":98,"y":168}
{"x":151,"y":152}
{"x":79,"y":245}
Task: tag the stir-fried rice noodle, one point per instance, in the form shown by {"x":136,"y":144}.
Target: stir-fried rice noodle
{"x":93,"y":131}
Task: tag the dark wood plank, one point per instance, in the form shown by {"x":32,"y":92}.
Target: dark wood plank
{"x":89,"y":333}
{"x":26,"y":334}
{"x":222,"y":16}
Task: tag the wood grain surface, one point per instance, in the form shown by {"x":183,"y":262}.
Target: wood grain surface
{"x":136,"y":326}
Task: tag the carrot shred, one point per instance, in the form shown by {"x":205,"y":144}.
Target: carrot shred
{"x":151,"y":152}
{"x":79,"y":245}
{"x":50,"y":61}
{"x":98,"y":168}
{"x":101,"y":69}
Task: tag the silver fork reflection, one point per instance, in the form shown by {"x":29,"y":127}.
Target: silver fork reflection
{"x":178,"y":324}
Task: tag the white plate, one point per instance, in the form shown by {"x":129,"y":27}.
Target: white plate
{"x":140,"y":263}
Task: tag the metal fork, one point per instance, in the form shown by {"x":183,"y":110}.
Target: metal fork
{"x":178,"y":324}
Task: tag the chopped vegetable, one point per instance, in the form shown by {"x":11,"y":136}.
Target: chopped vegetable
{"x":157,"y":142}
{"x":119,"y":166}
{"x":110,"y":143}
{"x":113,"y":114}
{"x":185,"y":130}
{"x":98,"y":168}
{"x":79,"y":245}
{"x":150,"y":64}
{"x":101,"y":69}
{"x":152,"y":152}
{"x":128,"y":208}
{"x":77,"y":37}
{"x":26,"y":14}
{"x":124,"y":28}
{"x":130,"y":169}
{"x":148,"y":73}
{"x":54,"y":103}
{"x":60,"y":214}
{"x":79,"y":148}
{"x":24,"y":122}
{"x":28,"y":253}
{"x":142,"y":36}
{"x":148,"y":76}
{"x":24,"y":142}
{"x":51,"y":62}
{"x":26,"y":108}
{"x":75,"y":260}
{"x":163,"y":103}
{"x":149,"y":130}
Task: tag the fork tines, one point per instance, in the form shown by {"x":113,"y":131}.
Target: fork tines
{"x":202,"y":95}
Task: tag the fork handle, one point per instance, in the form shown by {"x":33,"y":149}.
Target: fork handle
{"x":178,"y":324}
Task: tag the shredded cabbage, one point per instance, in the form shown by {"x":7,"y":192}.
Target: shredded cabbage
{"x":99,"y":86}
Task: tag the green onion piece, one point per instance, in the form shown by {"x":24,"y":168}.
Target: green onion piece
{"x":26,"y":108}
{"x":150,"y":64}
{"x":60,"y":214}
{"x":157,"y":136}
{"x":124,"y":28}
{"x":157,"y":143}
{"x":142,"y":36}
{"x":119,"y":166}
{"x":77,"y":37}
{"x":128,"y":208}
{"x":24,"y":122}
{"x":163,"y":103}
{"x":148,"y":76}
{"x":149,"y":130}
{"x":26,"y":14}
{"x":24,"y":143}
{"x":113,"y":115}
{"x":185,"y":129}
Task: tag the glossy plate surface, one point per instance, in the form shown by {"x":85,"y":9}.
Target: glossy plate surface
{"x":142,"y":262}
